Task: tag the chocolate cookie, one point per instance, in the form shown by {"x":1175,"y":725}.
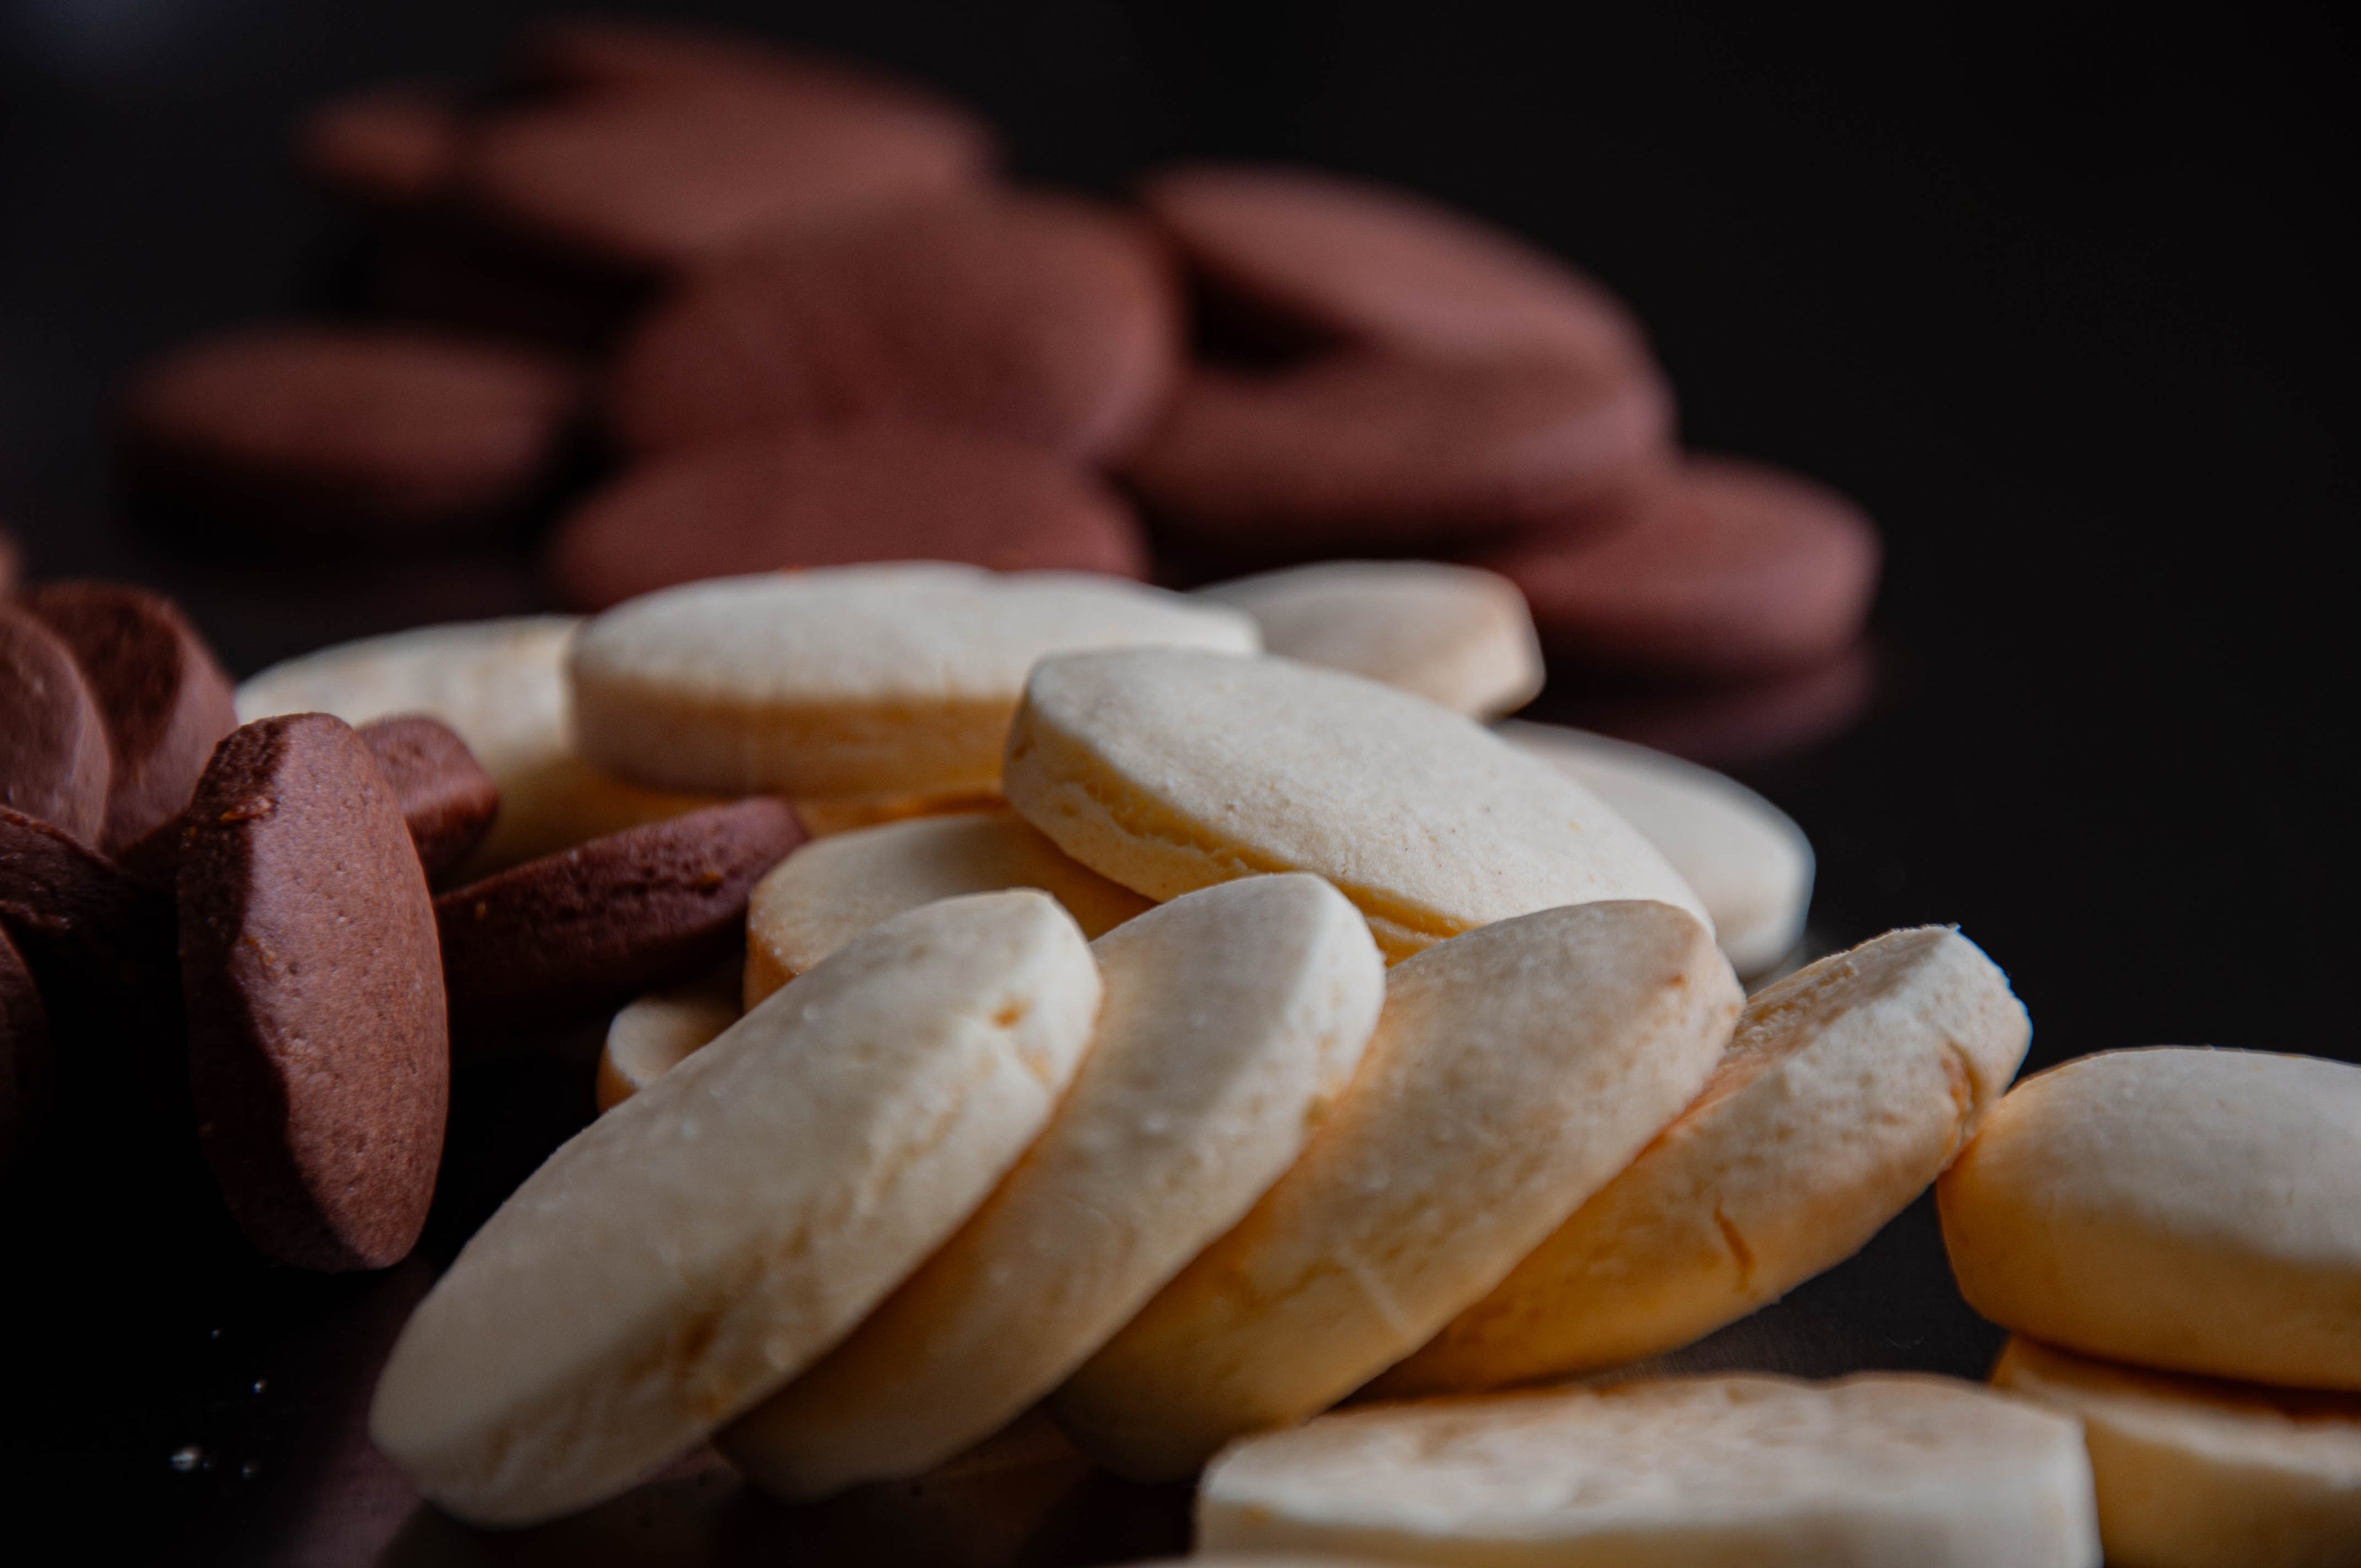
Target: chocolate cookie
{"x":1304,"y":257}
{"x":319,"y":1050}
{"x":1366,"y":452}
{"x":1037,"y":318}
{"x":1723,"y":570}
{"x":165,"y":698}
{"x":447,"y":800}
{"x":54,"y":762}
{"x":394,"y":146}
{"x":835,"y":495}
{"x":352,"y":429}
{"x":24,"y":1054}
{"x":565,"y":934}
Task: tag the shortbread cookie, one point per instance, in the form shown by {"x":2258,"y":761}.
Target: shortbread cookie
{"x":447,"y":798}
{"x":1168,"y":770}
{"x":667,"y":1269}
{"x":319,"y":1049}
{"x":57,"y":766}
{"x":1847,"y":1090}
{"x":2192,"y":1473}
{"x":1451,"y":634}
{"x":1878,"y":1471}
{"x":1748,"y":861}
{"x":1514,"y":1071}
{"x":1233,"y":1018}
{"x":656,"y":1033}
{"x":2195,"y":1211}
{"x":828,"y":892}
{"x":859,"y":680}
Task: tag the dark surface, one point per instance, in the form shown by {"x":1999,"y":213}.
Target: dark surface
{"x":2066,"y":302}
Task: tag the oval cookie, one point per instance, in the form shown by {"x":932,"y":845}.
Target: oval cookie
{"x":447,"y":800}
{"x":55,"y":765}
{"x":651,"y":1035}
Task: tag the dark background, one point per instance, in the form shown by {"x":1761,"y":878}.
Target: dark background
{"x":2067,"y":300}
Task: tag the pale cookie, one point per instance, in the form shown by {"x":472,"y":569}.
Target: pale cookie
{"x":1749,"y":863}
{"x":695,"y":1248}
{"x":1846,"y":1090}
{"x":2196,"y":1211}
{"x":650,"y":1037}
{"x":2196,"y":1474}
{"x":1168,"y":770}
{"x":1513,"y":1072}
{"x":1453,"y":635}
{"x":828,"y":892}
{"x":1879,"y":1471}
{"x":1233,"y":1018}
{"x":853,"y":680}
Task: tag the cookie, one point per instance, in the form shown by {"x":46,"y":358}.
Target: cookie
{"x":1306,"y":254}
{"x":394,"y":146}
{"x":1848,"y":1088}
{"x":836,"y":497}
{"x":54,"y":761}
{"x":1363,"y":451}
{"x":2191,"y":1473}
{"x":1233,"y":1018}
{"x":350,"y":431}
{"x":1884,"y":1468}
{"x":1037,"y":318}
{"x":1171,"y":769}
{"x":666,"y":1270}
{"x":447,"y":801}
{"x":651,"y":1035}
{"x":830,"y":892}
{"x":101,"y":942}
{"x":606,"y":918}
{"x":851,"y":681}
{"x":614,"y":53}
{"x":1747,"y":861}
{"x":1724,"y":569}
{"x":1513,"y":1072}
{"x":2191,"y":1211}
{"x":319,"y":1053}
{"x":1727,"y":725}
{"x":25,"y":1054}
{"x":165,"y":698}
{"x":1454,"y":635}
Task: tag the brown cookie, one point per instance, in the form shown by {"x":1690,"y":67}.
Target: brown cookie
{"x":319,"y":1048}
{"x":351,"y":430}
{"x":1366,"y":452}
{"x":836,"y":496}
{"x":392,"y":146}
{"x":447,"y":800}
{"x":164,"y":697}
{"x":24,"y":1055}
{"x":54,"y":762}
{"x":622,"y":54}
{"x":1735,"y":724}
{"x":1724,"y":570}
{"x":1311,"y":256}
{"x":570,"y":932}
{"x":1041,"y":319}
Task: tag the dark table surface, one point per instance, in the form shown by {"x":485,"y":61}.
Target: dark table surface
{"x":2068,"y":302}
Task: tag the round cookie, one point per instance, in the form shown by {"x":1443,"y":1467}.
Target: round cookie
{"x":1749,"y":864}
{"x":666,"y":1270}
{"x":830,"y":891}
{"x":1037,"y":318}
{"x":2188,"y":1209}
{"x":1724,"y":569}
{"x":1168,"y":769}
{"x":851,"y":681}
{"x":25,"y":1054}
{"x":1513,"y":1072}
{"x":1359,"y":451}
{"x":165,"y":701}
{"x":1306,"y":253}
{"x":319,"y":1053}
{"x":1879,"y":1469}
{"x":1234,"y":1019}
{"x":375,"y":430}
{"x":55,"y":765}
{"x":1453,"y":635}
{"x":1847,"y":1089}
{"x":836,"y":497}
{"x":2196,"y":1474}
{"x":651,"y":1035}
{"x":397,"y":146}
{"x":447,"y":800}
{"x":100,"y":940}
{"x":608,"y":917}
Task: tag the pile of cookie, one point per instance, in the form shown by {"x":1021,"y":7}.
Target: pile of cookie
{"x":717,"y":307}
